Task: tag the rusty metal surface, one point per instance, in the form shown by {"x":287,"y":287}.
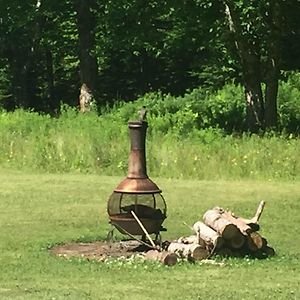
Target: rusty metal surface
{"x":137,"y":180}
{"x":130,"y":225}
{"x":145,"y":205}
{"x":137,"y":192}
{"x":137,"y":186}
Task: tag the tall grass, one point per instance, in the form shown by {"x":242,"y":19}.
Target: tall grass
{"x":176,"y":148}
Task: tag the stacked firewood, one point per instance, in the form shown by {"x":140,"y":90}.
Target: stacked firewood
{"x":223,"y":233}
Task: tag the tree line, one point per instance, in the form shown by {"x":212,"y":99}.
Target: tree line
{"x":123,"y":49}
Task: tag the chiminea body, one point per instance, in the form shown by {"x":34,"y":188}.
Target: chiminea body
{"x":137,"y":192}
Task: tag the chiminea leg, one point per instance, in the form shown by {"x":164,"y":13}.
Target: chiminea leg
{"x":158,"y":239}
{"x":110,"y":235}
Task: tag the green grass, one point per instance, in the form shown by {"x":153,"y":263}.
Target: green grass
{"x":99,"y":145}
{"x":38,"y":210}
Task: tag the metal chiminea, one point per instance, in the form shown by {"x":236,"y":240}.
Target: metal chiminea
{"x":137,"y":192}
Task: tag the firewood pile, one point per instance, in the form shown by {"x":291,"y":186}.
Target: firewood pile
{"x":220,"y":233}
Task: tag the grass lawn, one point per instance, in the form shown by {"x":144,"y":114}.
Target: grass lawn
{"x":38,"y":210}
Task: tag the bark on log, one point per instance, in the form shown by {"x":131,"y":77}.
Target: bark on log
{"x":259,"y":211}
{"x":208,"y":235}
{"x":193,"y":251}
{"x":250,"y":244}
{"x":164,"y":257}
{"x":249,"y":222}
{"x":192,"y":239}
{"x":225,"y":228}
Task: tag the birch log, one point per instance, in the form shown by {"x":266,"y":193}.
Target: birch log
{"x":240,"y":223}
{"x":192,"y":239}
{"x":208,"y":235}
{"x":257,"y":240}
{"x":193,"y":251}
{"x":164,"y":257}
{"x":222,"y":226}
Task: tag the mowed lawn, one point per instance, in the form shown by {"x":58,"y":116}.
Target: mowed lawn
{"x":40,"y":210}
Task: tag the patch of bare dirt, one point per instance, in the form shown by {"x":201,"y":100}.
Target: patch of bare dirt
{"x":99,"y":250}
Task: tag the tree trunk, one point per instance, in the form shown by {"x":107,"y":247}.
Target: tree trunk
{"x":271,"y":100}
{"x":254,"y":99}
{"x":86,"y":27}
{"x":272,"y":74}
{"x":18,"y":61}
{"x":50,"y":80}
{"x":250,"y":61}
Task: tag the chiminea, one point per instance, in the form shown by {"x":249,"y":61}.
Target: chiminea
{"x":137,"y":192}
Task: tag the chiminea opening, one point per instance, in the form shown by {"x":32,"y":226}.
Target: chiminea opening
{"x":137,"y":192}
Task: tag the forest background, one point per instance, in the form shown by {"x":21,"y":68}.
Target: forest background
{"x":221,"y":83}
{"x":220,"y":79}
{"x":215,"y":76}
{"x":124,"y":49}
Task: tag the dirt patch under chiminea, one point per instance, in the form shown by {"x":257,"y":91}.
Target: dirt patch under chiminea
{"x":100,"y":250}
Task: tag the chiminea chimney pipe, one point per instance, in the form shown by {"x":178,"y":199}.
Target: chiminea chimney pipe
{"x":137,"y":180}
{"x":137,"y":159}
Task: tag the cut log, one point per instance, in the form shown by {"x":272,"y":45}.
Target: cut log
{"x":250,"y":244}
{"x":258,"y":213}
{"x":192,"y":239}
{"x":257,"y":240}
{"x":240,"y":223}
{"x":264,"y":252}
{"x":227,"y":252}
{"x":165,"y":257}
{"x":193,"y":251}
{"x":224,"y":251}
{"x":268,"y":250}
{"x":253,"y":226}
{"x":237,"y":241}
{"x":208,"y":235}
{"x":221,"y":225}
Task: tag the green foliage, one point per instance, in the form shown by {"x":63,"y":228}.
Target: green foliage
{"x":164,"y":45}
{"x":199,"y":109}
{"x":186,"y":139}
{"x":202,"y":109}
{"x":289,"y":104}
